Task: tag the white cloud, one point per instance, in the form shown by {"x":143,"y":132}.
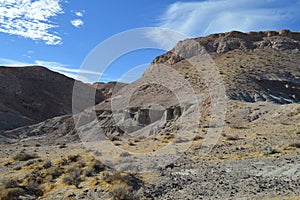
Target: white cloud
{"x":83,"y":75}
{"x":79,"y":14}
{"x":62,"y":67}
{"x":214,"y":16}
{"x":30,"y":19}
{"x":77,"y":23}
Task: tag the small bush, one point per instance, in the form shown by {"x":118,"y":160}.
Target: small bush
{"x":73,"y":158}
{"x":115,"y":138}
{"x":233,"y":137}
{"x":122,"y":192}
{"x":62,"y":146}
{"x":128,"y":178}
{"x":181,"y":140}
{"x":297,"y":132}
{"x":125,"y":154}
{"x":73,"y":178}
{"x":54,"y":172}
{"x":198,"y":137}
{"x":131,"y":144}
{"x":98,"y":166}
{"x":11,"y":193}
{"x":47,"y":164}
{"x":30,"y":162}
{"x":295,"y":144}
{"x":23,"y":156}
{"x":10,"y":183}
{"x":89,"y":172}
{"x":270,"y":150}
{"x":94,"y":168}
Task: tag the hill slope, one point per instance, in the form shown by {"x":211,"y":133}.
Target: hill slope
{"x":33,"y":94}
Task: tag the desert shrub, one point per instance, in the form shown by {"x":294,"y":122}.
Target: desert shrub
{"x":47,"y":164}
{"x":297,"y":132}
{"x":122,"y":192}
{"x":98,"y":166}
{"x":30,"y":162}
{"x":131,"y":144}
{"x":295,"y":144}
{"x":127,"y":178}
{"x":10,"y":183}
{"x":198,"y":137}
{"x":89,"y":172}
{"x":64,"y":162}
{"x":11,"y":193}
{"x":73,"y":178}
{"x":23,"y":156}
{"x":73,"y":158}
{"x":62,"y":146}
{"x":181,"y":140}
{"x":115,"y":138}
{"x":94,"y":168}
{"x":125,"y":154}
{"x":34,"y":187}
{"x":268,"y":150}
{"x":54,"y":172}
{"x":17,"y":168}
{"x":233,"y":137}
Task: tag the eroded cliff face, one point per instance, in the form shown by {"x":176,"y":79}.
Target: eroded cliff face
{"x":255,"y":66}
{"x":224,"y":42}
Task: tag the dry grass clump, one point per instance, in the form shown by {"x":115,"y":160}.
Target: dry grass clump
{"x":11,"y":193}
{"x":124,"y":186}
{"x":295,"y":144}
{"x":95,"y":167}
{"x":269,"y":150}
{"x":122,"y":192}
{"x":74,"y":177}
{"x":12,"y":189}
{"x":23,"y":156}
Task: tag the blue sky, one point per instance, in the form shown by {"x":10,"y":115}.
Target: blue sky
{"x":60,"y":34}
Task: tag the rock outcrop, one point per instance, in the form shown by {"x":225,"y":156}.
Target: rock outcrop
{"x":225,"y":42}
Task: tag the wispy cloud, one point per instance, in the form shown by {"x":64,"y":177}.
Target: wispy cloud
{"x":212,"y":16}
{"x":63,"y":68}
{"x":77,"y":23}
{"x":79,"y":14}
{"x":30,"y":19}
{"x":83,"y":75}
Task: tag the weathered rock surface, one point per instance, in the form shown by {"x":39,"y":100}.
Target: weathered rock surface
{"x":33,"y":94}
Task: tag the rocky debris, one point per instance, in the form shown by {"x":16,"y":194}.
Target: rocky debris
{"x":250,"y":178}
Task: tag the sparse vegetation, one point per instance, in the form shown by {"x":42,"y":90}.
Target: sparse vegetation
{"x":74,"y":177}
{"x":269,"y":150}
{"x":295,"y":144}
{"x":47,"y":164}
{"x":232,"y":137}
{"x":23,"y":156}
{"x":122,"y":191}
{"x":73,"y":158}
{"x":124,"y":185}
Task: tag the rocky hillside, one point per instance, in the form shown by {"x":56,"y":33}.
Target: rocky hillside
{"x":154,"y":129}
{"x":258,"y":66}
{"x":29,"y":95}
{"x":255,"y":66}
